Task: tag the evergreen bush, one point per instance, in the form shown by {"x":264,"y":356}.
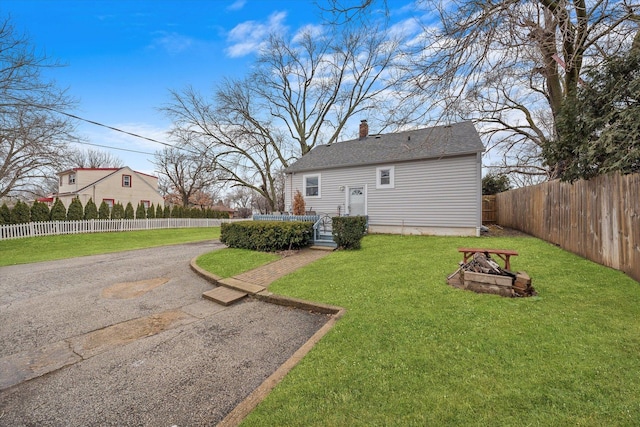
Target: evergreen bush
{"x":348,"y":231}
{"x":141,"y":212}
{"x":90,"y":210}
{"x":177,"y":212}
{"x":40,"y":212}
{"x":104,"y":212}
{"x":220,"y":214}
{"x":58,"y":211}
{"x":159,"y":211}
{"x":151,"y":212}
{"x":5,"y":214}
{"x":167,"y":212}
{"x":267,"y":236}
{"x":21,"y":213}
{"x":75,"y":211}
{"x":128,"y":211}
{"x":117,"y":212}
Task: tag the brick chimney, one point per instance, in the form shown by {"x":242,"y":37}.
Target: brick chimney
{"x":364,"y":129}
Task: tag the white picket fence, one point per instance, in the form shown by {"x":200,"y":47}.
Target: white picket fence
{"x":51,"y":228}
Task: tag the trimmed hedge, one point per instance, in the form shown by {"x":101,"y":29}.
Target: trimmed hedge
{"x":349,"y":230}
{"x":266,"y":236}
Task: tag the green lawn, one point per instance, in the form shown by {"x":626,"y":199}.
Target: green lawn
{"x":34,"y":249}
{"x":231,"y":261}
{"x":413,"y":351}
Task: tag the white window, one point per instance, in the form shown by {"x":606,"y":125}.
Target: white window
{"x":311,"y":185}
{"x":385,"y":177}
{"x":126,"y":180}
{"x":109,"y":202}
{"x":145,"y":203}
{"x":72,"y":178}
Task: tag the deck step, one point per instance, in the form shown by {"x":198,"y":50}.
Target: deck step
{"x":224,"y":296}
{"x":325,"y":237}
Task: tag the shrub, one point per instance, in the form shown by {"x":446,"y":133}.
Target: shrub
{"x":58,"y":211}
{"x":141,"y":212}
{"x":104,"y":212}
{"x":267,"y":236}
{"x":159,"y":211}
{"x":194,"y":213}
{"x":299,"y":206}
{"x":128,"y":211}
{"x":90,"y":210}
{"x":39,"y":212}
{"x":21,"y":213}
{"x":151,"y":212}
{"x":117,"y":212}
{"x":212,"y":213}
{"x":75,"y":211}
{"x":167,"y":212}
{"x":5,"y":214}
{"x":349,"y":230}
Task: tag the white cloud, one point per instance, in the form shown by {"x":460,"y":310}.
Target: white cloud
{"x":237,"y":5}
{"x":248,"y":37}
{"x":173,"y":43}
{"x":314,"y":30}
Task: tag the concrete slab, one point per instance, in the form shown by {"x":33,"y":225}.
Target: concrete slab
{"x":223,"y":295}
{"x":241,"y":286}
{"x":27,"y":365}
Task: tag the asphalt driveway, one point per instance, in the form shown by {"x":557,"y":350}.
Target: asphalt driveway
{"x":127,"y":339}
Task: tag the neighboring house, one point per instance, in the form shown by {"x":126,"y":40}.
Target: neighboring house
{"x":111,"y":185}
{"x":426,"y":181}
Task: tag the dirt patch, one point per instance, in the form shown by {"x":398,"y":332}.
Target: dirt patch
{"x":127,"y":290}
{"x":498,"y":231}
{"x":116,"y":335}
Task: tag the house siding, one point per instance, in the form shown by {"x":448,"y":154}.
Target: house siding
{"x":105,"y":184}
{"x":428,"y":194}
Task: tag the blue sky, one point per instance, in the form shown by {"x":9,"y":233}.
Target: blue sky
{"x":122,"y":57}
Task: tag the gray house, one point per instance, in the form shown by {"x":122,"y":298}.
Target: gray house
{"x":425,"y":181}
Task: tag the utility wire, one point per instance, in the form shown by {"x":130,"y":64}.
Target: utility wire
{"x":135,"y":135}
{"x":113,"y":148}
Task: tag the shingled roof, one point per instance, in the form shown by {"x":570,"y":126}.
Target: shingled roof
{"x":428,"y":143}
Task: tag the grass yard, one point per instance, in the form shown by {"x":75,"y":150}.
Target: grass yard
{"x":47,"y":248}
{"x":231,"y":261}
{"x":413,"y":351}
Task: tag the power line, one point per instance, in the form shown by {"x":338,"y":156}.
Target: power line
{"x":113,"y":148}
{"x":93,"y":122}
{"x":114,"y":128}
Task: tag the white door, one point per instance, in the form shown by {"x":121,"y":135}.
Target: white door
{"x":356,"y":201}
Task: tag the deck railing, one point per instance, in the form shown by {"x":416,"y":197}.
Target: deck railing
{"x":305,"y":218}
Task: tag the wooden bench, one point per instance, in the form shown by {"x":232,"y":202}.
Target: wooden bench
{"x":504,"y":255}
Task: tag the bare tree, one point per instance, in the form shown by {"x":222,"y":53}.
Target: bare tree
{"x":33,"y":136}
{"x":93,"y":159}
{"x":302,"y":93}
{"x":510,"y":65}
{"x":184,"y":173}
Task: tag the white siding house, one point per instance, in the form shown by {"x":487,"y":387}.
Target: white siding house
{"x":111,"y":185}
{"x":426,"y":181}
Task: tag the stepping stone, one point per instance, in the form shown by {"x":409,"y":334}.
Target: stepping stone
{"x":224,"y":296}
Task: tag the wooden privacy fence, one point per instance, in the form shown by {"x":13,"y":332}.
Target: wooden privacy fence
{"x":489,"y":212}
{"x":598,"y":219}
{"x":50,"y":228}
